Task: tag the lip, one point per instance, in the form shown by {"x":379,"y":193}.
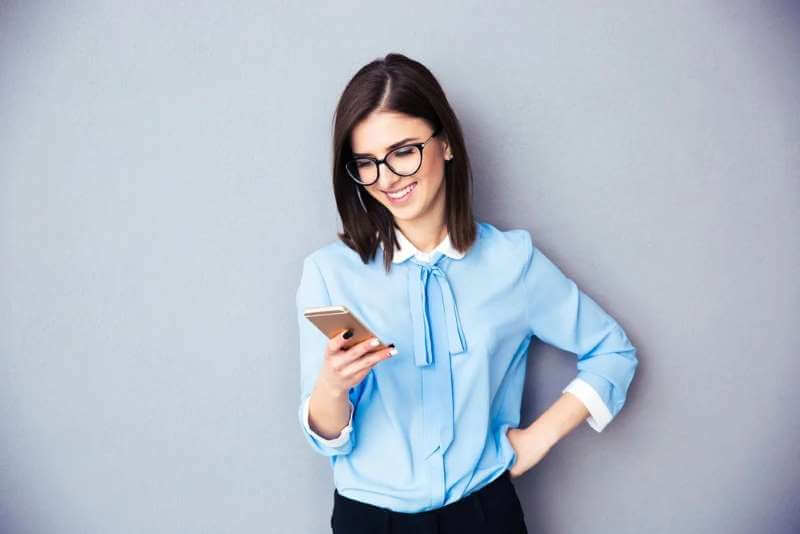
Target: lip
{"x":404,"y":199}
{"x":399,"y":188}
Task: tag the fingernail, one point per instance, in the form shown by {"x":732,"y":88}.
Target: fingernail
{"x":375,"y":342}
{"x":390,"y":345}
{"x":393,"y":352}
{"x":348,"y":334}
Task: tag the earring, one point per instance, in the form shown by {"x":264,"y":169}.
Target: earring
{"x":358,"y":192}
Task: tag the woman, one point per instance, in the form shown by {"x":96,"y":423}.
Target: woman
{"x":424,"y":436}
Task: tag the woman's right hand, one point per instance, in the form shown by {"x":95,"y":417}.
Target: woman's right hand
{"x":344,"y":367}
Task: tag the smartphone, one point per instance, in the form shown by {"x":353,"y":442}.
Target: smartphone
{"x":333,"y":320}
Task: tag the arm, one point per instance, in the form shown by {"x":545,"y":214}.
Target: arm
{"x":563,"y":416}
{"x":326,"y":416}
{"x":329,"y":415}
{"x":562,"y":315}
{"x":533,"y":442}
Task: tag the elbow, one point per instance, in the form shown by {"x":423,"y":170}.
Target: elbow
{"x":606,"y":377}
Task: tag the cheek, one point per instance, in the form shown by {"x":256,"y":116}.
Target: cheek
{"x":433,"y":171}
{"x":432,"y":165}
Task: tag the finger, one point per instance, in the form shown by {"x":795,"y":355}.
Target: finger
{"x":359,"y":376}
{"x":367,"y":361}
{"x":357,"y":351}
{"x":339,"y":341}
{"x":360,"y":349}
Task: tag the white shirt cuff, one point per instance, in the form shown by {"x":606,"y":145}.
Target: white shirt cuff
{"x":343,"y":436}
{"x":599,"y":414}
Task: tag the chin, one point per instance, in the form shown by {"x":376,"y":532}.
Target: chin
{"x":408,"y":211}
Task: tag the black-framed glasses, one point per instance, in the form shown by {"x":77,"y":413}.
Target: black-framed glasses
{"x":403,"y":161}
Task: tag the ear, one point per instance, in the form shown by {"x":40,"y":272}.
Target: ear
{"x":447,"y":152}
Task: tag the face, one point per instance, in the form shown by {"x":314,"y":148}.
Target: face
{"x":375,"y":134}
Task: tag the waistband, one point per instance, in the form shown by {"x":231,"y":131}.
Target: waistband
{"x":470,"y":503}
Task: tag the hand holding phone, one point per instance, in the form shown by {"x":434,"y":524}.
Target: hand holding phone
{"x":347,"y":360}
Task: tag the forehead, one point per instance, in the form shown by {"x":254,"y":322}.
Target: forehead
{"x":381,"y":129}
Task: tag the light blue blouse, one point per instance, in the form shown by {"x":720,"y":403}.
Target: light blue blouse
{"x":428,"y":426}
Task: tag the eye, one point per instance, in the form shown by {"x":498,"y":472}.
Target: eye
{"x":405,"y":151}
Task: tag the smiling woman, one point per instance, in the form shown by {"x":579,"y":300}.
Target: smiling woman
{"x":427,"y":438}
{"x":395,"y":132}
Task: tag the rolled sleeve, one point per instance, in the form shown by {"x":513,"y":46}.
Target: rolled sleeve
{"x":562,"y":315}
{"x":599,"y":416}
{"x":317,"y":440}
{"x":313,"y":292}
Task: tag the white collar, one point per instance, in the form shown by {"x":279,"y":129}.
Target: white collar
{"x":407,"y":249}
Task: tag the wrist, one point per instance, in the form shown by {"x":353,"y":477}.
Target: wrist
{"x":330,"y":391}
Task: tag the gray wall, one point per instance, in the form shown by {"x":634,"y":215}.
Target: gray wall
{"x":164,"y":169}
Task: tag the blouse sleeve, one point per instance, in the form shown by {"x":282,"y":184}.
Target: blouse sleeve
{"x":562,"y":315}
{"x":312,"y":292}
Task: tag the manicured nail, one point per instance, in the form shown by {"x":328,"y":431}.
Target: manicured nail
{"x":393,"y":352}
{"x":375,"y":342}
{"x":348,"y":334}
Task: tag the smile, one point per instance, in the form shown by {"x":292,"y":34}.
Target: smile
{"x":402,"y":195}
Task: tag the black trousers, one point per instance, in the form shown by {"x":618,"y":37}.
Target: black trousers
{"x":493,"y":509}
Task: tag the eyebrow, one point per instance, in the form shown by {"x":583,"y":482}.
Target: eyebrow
{"x":390,"y":147}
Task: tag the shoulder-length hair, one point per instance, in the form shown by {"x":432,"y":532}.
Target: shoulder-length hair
{"x":399,"y":84}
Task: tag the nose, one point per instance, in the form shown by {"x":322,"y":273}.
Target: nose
{"x":387,"y":179}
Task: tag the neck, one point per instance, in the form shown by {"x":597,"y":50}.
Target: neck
{"x":424,"y":236}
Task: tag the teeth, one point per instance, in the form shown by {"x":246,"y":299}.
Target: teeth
{"x":401,"y":193}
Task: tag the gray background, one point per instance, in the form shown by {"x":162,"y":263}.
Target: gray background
{"x":164,"y":168}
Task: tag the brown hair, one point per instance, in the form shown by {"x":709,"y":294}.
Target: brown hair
{"x":399,"y":84}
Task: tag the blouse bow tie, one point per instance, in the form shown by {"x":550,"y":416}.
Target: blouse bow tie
{"x":436,"y":371}
{"x":418,"y":293}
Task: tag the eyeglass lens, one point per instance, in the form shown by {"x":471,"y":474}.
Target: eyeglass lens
{"x":403,"y":161}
